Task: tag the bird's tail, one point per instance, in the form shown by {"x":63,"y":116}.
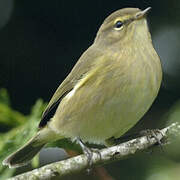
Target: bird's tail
{"x":23,"y":155}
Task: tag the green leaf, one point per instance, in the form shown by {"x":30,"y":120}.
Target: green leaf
{"x":4,"y":97}
{"x":17,"y":137}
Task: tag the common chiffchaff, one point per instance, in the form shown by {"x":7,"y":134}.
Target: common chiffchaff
{"x":110,"y":88}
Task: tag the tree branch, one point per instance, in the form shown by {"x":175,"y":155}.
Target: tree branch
{"x":107,"y":155}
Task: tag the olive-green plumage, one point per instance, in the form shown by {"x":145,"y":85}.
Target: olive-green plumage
{"x":111,"y":87}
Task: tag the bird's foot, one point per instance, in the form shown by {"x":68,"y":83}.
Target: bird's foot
{"x":148,"y":133}
{"x":152,"y":133}
{"x":88,"y":152}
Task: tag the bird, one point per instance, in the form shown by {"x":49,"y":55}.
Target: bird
{"x":110,"y":88}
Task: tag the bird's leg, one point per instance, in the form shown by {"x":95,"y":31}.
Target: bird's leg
{"x":87,"y":151}
{"x":152,"y":133}
{"x":114,"y":141}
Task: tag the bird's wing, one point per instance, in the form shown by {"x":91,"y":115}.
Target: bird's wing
{"x":86,"y":62}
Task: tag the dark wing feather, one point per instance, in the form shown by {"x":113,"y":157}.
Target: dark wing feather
{"x":49,"y":113}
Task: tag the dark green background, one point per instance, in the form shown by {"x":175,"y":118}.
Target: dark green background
{"x":42,"y":40}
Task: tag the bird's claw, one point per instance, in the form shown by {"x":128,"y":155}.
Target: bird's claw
{"x":88,"y":152}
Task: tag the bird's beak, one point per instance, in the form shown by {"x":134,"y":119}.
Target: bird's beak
{"x":142,"y":13}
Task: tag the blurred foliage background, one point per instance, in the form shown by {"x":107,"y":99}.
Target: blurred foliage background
{"x":40,"y":41}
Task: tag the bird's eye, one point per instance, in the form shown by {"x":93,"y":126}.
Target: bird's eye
{"x":118,"y":25}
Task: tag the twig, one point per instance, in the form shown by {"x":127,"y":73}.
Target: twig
{"x":107,"y":155}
